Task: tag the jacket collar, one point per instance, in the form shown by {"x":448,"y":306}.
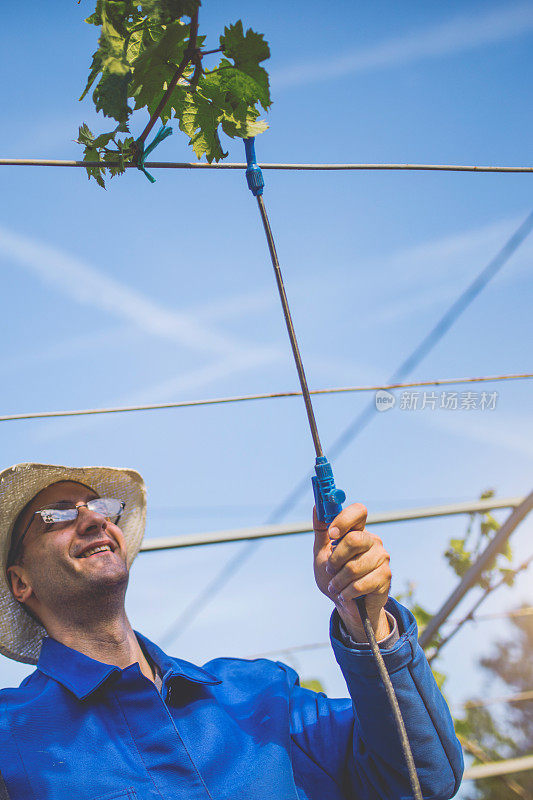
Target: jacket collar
{"x":83,"y":675}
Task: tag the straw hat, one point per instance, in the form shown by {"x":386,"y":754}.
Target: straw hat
{"x":20,"y":635}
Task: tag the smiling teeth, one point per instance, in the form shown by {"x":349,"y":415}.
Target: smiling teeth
{"x":99,"y":549}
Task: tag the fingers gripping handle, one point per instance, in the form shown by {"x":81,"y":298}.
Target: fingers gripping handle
{"x":328,"y":499}
{"x":328,"y":503}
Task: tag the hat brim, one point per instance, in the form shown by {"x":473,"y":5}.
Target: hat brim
{"x":20,"y":635}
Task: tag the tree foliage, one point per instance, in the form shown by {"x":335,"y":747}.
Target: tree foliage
{"x":488,"y":735}
{"x":460,"y":554}
{"x":152,"y":49}
{"x":506,"y":732}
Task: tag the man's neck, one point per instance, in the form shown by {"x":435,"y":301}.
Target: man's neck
{"x":111,"y":641}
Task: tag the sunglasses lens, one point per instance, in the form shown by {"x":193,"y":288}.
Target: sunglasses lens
{"x":51,"y":515}
{"x":108,"y":507}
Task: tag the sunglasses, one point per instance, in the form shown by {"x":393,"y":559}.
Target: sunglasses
{"x":108,"y":507}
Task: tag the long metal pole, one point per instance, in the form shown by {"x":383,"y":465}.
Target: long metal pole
{"x":507,"y":767}
{"x":473,"y":574}
{"x":519,"y":697}
{"x":272,"y":531}
{"x":290,"y":327}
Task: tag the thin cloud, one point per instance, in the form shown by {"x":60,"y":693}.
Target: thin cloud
{"x":508,"y":432}
{"x":54,"y":132}
{"x":197,"y":378}
{"x":239,"y":305}
{"x":64,"y":348}
{"x":161,"y":392}
{"x":425,"y":275}
{"x":90,"y":287}
{"x":431,"y":273}
{"x":457,"y":35}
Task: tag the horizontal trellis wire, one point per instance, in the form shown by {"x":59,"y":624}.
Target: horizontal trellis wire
{"x":45,"y":162}
{"x":269,"y":396}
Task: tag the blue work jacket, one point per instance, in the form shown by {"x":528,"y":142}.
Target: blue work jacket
{"x":79,"y":729}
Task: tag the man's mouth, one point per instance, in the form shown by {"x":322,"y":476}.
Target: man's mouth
{"x":101,"y":548}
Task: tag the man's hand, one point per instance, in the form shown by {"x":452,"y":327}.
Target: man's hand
{"x":358,"y":565}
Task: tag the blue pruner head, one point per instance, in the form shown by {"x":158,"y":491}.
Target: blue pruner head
{"x":254,"y":174}
{"x":328,"y":499}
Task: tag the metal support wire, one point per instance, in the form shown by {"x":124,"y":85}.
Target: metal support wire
{"x":46,"y":162}
{"x":248,"y":397}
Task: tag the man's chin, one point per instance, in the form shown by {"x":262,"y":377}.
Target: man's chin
{"x":106,"y":576}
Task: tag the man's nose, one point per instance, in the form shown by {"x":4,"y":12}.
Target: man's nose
{"x":89,"y":520}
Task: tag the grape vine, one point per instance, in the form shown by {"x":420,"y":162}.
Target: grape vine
{"x":150,"y":55}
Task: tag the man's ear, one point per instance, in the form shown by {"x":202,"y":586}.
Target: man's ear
{"x":19,"y":583}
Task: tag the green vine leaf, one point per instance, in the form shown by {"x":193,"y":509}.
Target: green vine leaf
{"x":489,"y":524}
{"x":150,"y":56}
{"x":315,"y":684}
{"x":199,"y":120}
{"x":422,"y":615}
{"x":459,"y":559}
{"x":156,"y":64}
{"x":508,"y":576}
{"x":91,"y":153}
{"x":247,"y":52}
{"x":96,"y":150}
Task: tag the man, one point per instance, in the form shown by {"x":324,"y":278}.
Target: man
{"x":108,"y":716}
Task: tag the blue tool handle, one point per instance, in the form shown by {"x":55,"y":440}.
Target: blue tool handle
{"x":328,"y":499}
{"x":254,"y":174}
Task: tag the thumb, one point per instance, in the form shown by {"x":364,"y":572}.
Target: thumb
{"x":321,"y":533}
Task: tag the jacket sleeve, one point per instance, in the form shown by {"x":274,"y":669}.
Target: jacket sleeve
{"x":356,"y":744}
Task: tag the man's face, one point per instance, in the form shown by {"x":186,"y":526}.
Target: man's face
{"x":57,"y":563}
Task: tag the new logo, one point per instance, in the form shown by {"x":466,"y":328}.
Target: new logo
{"x":384,"y":400}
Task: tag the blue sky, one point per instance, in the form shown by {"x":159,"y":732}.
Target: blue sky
{"x":152,"y":293}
